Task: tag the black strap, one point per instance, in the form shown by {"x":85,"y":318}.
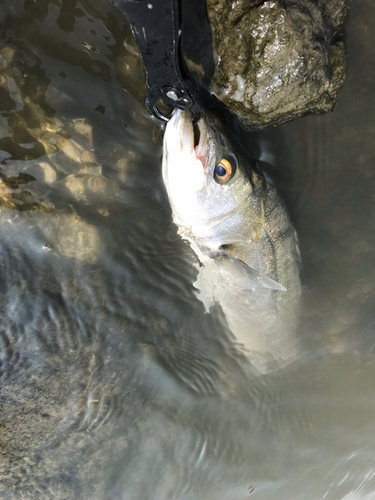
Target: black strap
{"x":156,"y":29}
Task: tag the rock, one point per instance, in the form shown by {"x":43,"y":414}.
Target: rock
{"x":49,"y":173}
{"x":72,"y":237}
{"x":129,"y":68}
{"x":6,"y":196}
{"x":81,"y":127}
{"x":127,"y":167}
{"x":276,"y":61}
{"x":334,"y":13}
{"x":73,"y":151}
{"x":6,"y":55}
{"x":88,"y":156}
{"x":83,"y":187}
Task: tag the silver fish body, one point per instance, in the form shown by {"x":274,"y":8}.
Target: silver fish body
{"x":242,"y":235}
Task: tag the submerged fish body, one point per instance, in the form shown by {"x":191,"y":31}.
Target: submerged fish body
{"x":238,"y":226}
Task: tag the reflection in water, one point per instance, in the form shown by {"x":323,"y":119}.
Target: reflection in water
{"x":114,"y":383}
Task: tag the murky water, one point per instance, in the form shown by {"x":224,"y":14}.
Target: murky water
{"x":114,"y":383}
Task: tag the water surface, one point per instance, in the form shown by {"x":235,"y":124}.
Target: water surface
{"x":114,"y":383}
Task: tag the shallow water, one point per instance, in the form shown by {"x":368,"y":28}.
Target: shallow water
{"x":114,"y":383}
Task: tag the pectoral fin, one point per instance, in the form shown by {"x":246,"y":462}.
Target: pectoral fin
{"x":244,"y":276}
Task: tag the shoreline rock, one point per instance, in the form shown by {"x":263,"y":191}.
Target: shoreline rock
{"x":277,"y":60}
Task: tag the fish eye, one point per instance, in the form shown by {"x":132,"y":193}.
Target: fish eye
{"x":225,"y":169}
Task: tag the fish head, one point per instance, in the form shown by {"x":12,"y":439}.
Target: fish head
{"x":212,"y":188}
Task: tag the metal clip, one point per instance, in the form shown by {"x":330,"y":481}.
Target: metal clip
{"x":155,"y":26}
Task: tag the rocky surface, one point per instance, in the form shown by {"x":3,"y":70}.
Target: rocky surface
{"x":277,"y":60}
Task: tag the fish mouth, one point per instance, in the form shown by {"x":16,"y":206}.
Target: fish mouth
{"x":192,"y":136}
{"x":200,"y":138}
{"x":197,"y":134}
{"x":185,"y":148}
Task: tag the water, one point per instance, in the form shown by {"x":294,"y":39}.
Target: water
{"x":114,"y":383}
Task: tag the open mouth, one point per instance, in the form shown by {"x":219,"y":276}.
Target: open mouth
{"x":185,"y":151}
{"x":197,"y":134}
{"x":185,"y":136}
{"x":200,"y":138}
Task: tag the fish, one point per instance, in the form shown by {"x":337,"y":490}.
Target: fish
{"x":247,"y":249}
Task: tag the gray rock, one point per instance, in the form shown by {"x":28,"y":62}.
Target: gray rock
{"x":277,"y":60}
